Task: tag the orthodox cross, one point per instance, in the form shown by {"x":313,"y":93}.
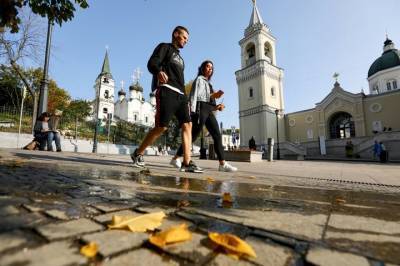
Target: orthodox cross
{"x":137,"y":73}
{"x":122,"y":84}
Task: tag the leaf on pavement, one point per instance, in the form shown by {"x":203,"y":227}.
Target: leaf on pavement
{"x":210,"y":179}
{"x":89,"y":250}
{"x":140,"y":223}
{"x":171,"y":235}
{"x":233,"y":245}
{"x":227,"y":198}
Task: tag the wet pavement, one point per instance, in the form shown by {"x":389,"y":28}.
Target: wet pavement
{"x":292,"y":213}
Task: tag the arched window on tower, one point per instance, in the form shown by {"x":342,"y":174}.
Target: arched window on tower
{"x":273,"y":92}
{"x":251,"y":54}
{"x":106,"y":94}
{"x":251,"y":92}
{"x":105,"y":110}
{"x":268,"y":51}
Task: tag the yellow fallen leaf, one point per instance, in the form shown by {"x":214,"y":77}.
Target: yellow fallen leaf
{"x":226,"y":197}
{"x":340,"y":201}
{"x":172,"y":235}
{"x":232,"y":244}
{"x":140,"y":223}
{"x":210,"y":179}
{"x":90,"y":250}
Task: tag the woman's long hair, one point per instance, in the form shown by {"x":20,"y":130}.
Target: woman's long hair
{"x":43,"y":115}
{"x":203,"y":66}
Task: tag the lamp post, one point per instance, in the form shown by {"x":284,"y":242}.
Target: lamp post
{"x":44,"y":87}
{"x":233,"y":133}
{"x":278,"y":154}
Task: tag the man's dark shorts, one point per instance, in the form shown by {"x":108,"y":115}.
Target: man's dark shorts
{"x":168,"y":104}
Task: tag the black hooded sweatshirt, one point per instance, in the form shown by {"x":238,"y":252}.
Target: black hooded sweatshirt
{"x":167,"y":58}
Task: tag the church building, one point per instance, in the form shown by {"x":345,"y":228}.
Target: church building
{"x":131,"y":108}
{"x":325,"y":129}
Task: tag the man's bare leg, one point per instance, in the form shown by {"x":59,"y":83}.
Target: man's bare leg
{"x":186,"y":142}
{"x":153,"y":134}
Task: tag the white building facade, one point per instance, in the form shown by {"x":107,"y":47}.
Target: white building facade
{"x":134,"y":108}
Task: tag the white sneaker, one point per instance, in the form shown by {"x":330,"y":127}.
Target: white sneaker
{"x":176,"y":163}
{"x":227,"y":168}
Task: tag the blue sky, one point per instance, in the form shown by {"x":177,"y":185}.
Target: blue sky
{"x":315,"y":38}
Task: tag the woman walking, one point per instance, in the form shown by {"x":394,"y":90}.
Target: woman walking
{"x":202,"y":106}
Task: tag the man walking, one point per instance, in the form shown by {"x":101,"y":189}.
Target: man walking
{"x":167,"y":67}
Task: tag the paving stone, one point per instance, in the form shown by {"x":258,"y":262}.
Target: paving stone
{"x":32,"y":208}
{"x":26,"y":220}
{"x":267,"y":254}
{"x":12,"y":200}
{"x":296,"y":224}
{"x":8,"y":210}
{"x":367,"y":224}
{"x":362,"y":237}
{"x":106,"y":218}
{"x":61,"y":215}
{"x":141,"y":257}
{"x":53,"y":254}
{"x":13,"y":239}
{"x":68,"y":229}
{"x":150,"y":209}
{"x":91,"y":211}
{"x":169,"y":222}
{"x":110,"y":207}
{"x":193,"y":250}
{"x":111,"y":242}
{"x":325,"y":257}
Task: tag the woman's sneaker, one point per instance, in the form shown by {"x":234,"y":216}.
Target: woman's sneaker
{"x":176,"y":163}
{"x":191,"y":167}
{"x":227,"y":168}
{"x":137,"y":159}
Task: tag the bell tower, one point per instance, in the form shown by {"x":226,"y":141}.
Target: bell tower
{"x":104,"y":88}
{"x":260,"y":85}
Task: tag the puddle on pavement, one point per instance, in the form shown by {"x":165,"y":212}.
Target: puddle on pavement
{"x":207,"y":192}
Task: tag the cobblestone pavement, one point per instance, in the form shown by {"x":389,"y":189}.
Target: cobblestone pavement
{"x":290,"y":212}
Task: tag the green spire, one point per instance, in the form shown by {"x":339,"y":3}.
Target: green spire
{"x":105,"y":70}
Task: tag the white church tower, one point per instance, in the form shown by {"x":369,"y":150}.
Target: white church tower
{"x":104,"y":88}
{"x":260,"y":84}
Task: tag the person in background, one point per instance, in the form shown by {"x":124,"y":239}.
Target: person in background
{"x":377,"y":150}
{"x":202,"y":107}
{"x":54,"y":133}
{"x":41,"y":130}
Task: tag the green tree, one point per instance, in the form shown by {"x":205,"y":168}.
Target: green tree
{"x":77,"y":110}
{"x":10,"y":88}
{"x":58,"y":98}
{"x":58,"y":11}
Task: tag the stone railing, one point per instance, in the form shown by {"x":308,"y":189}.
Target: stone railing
{"x":293,"y":147}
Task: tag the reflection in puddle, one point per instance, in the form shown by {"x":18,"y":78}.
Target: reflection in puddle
{"x":207,"y":192}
